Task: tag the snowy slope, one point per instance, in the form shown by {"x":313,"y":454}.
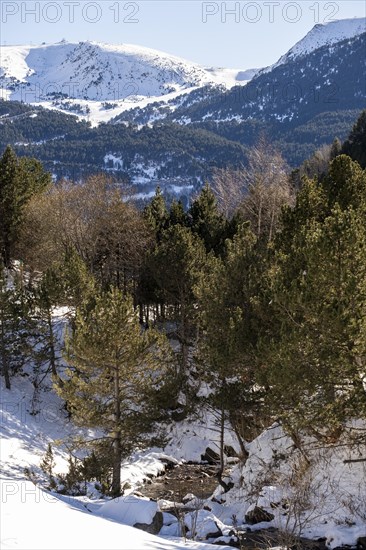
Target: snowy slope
{"x":97,"y":71}
{"x":322,"y":497}
{"x":333,"y":484}
{"x":32,"y":518}
{"x":322,"y":35}
{"x":82,"y":76}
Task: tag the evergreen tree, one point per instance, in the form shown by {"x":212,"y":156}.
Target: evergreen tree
{"x":114,"y":366}
{"x":231,"y":323}
{"x":177,"y":214}
{"x":10,"y":202}
{"x":68,"y":284}
{"x":156,"y":212}
{"x":15,"y":327}
{"x":345,"y":183}
{"x":48,"y":462}
{"x":314,"y":356}
{"x":355,"y":145}
{"x":19,"y":180}
{"x":174,"y":266}
{"x":206,"y":221}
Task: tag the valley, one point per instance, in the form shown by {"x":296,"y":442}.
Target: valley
{"x":182,"y":283}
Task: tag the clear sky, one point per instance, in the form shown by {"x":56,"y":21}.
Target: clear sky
{"x":235,"y":34}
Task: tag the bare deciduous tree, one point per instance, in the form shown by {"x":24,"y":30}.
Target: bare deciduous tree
{"x":92,"y":218}
{"x":259,"y":191}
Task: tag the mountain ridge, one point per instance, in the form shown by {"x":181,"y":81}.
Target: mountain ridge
{"x":322,"y":35}
{"x":98,"y":81}
{"x":91,"y":78}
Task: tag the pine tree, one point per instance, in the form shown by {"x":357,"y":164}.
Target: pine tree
{"x":113,"y":368}
{"x":16,"y":326}
{"x":48,"y":462}
{"x":156,"y":213}
{"x":19,"y":180}
{"x":206,"y":221}
{"x":10,"y":202}
{"x":174,"y":266}
{"x":345,"y":183}
{"x":315,"y":357}
{"x":177,"y":214}
{"x":231,"y":323}
{"x":355,"y":145}
{"x":67,"y":284}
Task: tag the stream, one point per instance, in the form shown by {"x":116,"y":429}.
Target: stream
{"x":178,"y":481}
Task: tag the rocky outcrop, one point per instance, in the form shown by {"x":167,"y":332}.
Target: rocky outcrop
{"x":154,"y":527}
{"x":257,"y":515}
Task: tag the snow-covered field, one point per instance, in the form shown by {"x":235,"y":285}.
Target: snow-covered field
{"x":33,"y":518}
{"x":318,"y":493}
{"x":332,"y":503}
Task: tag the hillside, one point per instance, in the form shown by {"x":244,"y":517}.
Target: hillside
{"x":98,"y":81}
{"x":322,"y":35}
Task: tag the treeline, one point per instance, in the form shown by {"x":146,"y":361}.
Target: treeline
{"x":70,"y":148}
{"x":257,"y":291}
{"x":293,"y":92}
{"x":25,"y":124}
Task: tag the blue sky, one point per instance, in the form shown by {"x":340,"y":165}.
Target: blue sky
{"x":236,"y":34}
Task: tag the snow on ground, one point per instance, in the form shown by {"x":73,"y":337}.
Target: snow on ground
{"x":321,"y":497}
{"x":32,"y":518}
{"x":318,"y":493}
{"x":322,"y":35}
{"x":98,"y":113}
{"x":101,"y":81}
{"x":331,"y":502}
{"x":35,"y":519}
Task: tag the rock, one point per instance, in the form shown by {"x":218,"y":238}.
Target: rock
{"x":154,"y":527}
{"x":203,"y":525}
{"x":210,"y":456}
{"x":222,"y":541}
{"x":257,"y":515}
{"x":361,"y":543}
{"x":215,"y":535}
{"x":169,"y":464}
{"x":230,"y":451}
{"x":132,"y":510}
{"x":188,"y":498}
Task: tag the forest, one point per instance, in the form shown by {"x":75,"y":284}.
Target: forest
{"x":258,"y":290}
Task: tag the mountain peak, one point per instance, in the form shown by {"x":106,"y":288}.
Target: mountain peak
{"x":323,"y":34}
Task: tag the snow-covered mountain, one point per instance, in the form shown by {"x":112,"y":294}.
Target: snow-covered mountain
{"x":322,"y":72}
{"x":102,"y":81}
{"x":322,"y":35}
{"x":89,"y":77}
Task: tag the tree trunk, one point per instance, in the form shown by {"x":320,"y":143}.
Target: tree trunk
{"x":243,"y":450}
{"x":4,"y":357}
{"x":52,"y":344}
{"x":117,"y":460}
{"x":117,"y":447}
{"x":141,"y":313}
{"x":183,"y":333}
{"x":224,"y":485}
